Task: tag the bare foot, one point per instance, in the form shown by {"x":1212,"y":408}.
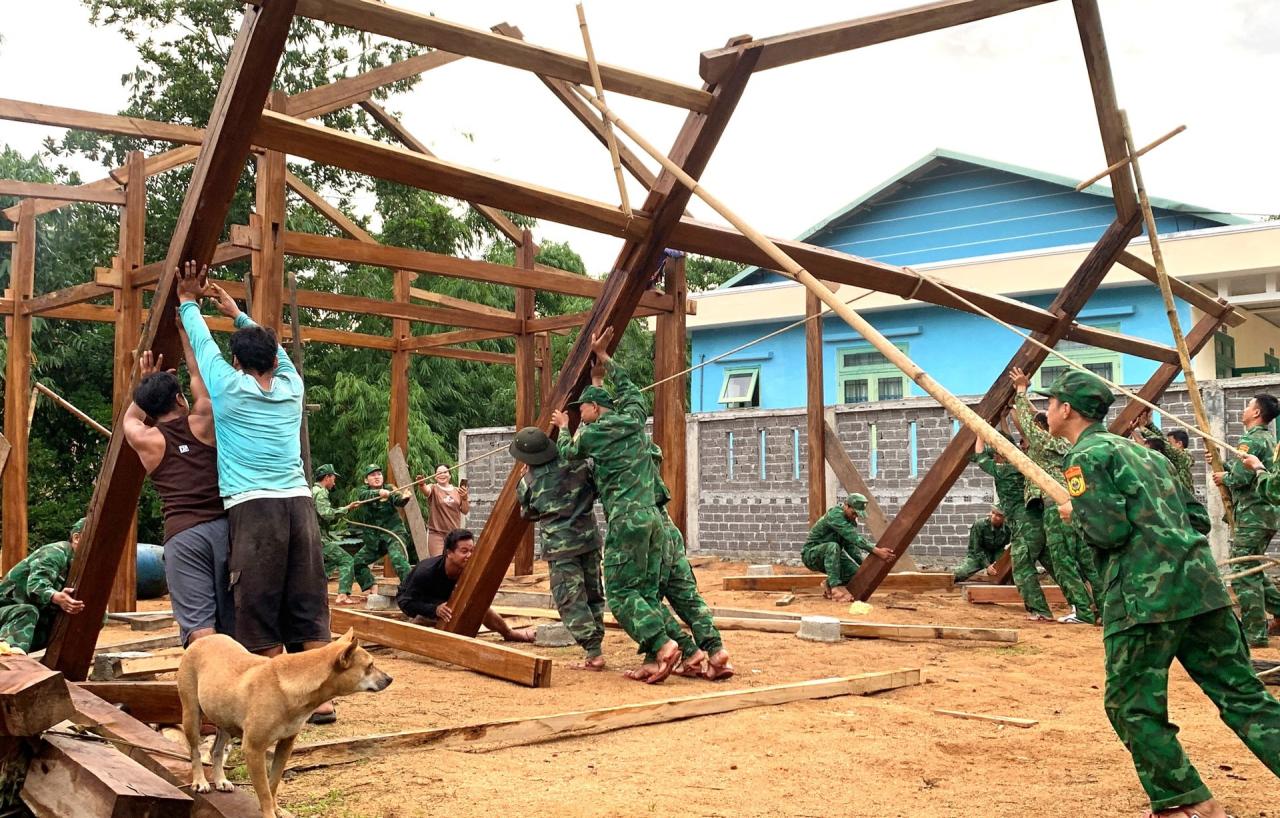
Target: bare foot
{"x":1035,"y":617}
{"x":595,"y":663}
{"x":718,"y":667}
{"x":520,"y":635}
{"x":841,"y":594}
{"x":345,"y":599}
{"x":694,"y":667}
{"x":658,"y":670}
{"x":1204,"y":809}
{"x":643,"y":673}
{"x":324,"y":714}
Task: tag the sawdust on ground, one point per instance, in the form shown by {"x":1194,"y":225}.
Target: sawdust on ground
{"x":882,"y":755}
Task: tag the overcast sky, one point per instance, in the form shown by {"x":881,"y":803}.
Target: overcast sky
{"x":806,"y":138}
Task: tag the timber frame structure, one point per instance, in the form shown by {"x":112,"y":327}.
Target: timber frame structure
{"x":248,"y":121}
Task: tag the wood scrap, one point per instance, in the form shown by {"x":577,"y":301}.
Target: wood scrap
{"x":90,"y":780}
{"x":530,"y":579}
{"x":983,"y":594}
{"x":152,"y":622}
{"x":109,"y":667}
{"x":1007,"y":720}
{"x":531,"y":730}
{"x":784,"y":600}
{"x":149,"y":701}
{"x":33,"y":698}
{"x":526,"y":599}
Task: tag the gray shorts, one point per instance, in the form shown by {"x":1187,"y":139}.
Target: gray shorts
{"x":195,"y":567}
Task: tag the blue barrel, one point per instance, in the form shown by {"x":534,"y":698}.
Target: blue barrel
{"x":151,"y":583}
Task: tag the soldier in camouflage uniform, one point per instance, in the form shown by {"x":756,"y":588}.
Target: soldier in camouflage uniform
{"x":384,"y":512}
{"x":1153,"y":437}
{"x":613,"y":435}
{"x":836,"y":548}
{"x":1009,"y":481}
{"x":1256,"y":518}
{"x":987,"y":539}
{"x":32,"y":593}
{"x":333,"y":523}
{"x":562,"y":495}
{"x":1063,"y":545}
{"x":1164,"y":599}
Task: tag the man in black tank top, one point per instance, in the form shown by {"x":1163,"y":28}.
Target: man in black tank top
{"x":175,"y":441}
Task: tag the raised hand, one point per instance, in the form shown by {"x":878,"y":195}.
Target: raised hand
{"x":600,"y":345}
{"x":1020,"y":379}
{"x":560,"y":418}
{"x":192,"y":280}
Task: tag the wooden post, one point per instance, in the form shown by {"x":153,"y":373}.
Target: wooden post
{"x":17,"y":393}
{"x":398,"y":414}
{"x":670,"y":353}
{"x":127,"y":302}
{"x":546,"y":368}
{"x":268,"y":262}
{"x":814,"y":420}
{"x":526,"y":381}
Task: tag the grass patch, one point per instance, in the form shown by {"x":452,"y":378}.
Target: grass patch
{"x":329,"y":805}
{"x":1018,"y":650}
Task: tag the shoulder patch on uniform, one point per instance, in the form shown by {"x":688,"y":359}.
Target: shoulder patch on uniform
{"x":1243,"y":448}
{"x":1075,"y":481}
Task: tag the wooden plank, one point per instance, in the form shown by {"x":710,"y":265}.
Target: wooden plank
{"x":622,"y":293}
{"x":335,"y":216}
{"x":935,"y":484}
{"x":1098,"y":64}
{"x":537,"y":729}
{"x":670,"y":353}
{"x":458,"y":303}
{"x":9,"y":236}
{"x":444,"y":339}
{"x":498,"y":661}
{"x":66,"y":193}
{"x":852,"y":481}
{"x":75,"y":294}
{"x":434,"y":32}
{"x":147,"y":701}
{"x":1191,"y":293}
{"x":111,"y":666}
{"x":243,"y":91}
{"x":412,"y":512}
{"x":1005,"y":720}
{"x":165,"y":758}
{"x":526,"y":380}
{"x":351,"y":90}
{"x":17,"y":110}
{"x":903,"y":581}
{"x":554,"y":323}
{"x":17,"y":393}
{"x":595,"y":124}
{"x":978,"y":594}
{"x":477,"y":355}
{"x":89,"y":779}
{"x":816,"y":450}
{"x":33,"y":698}
{"x":785,"y":49}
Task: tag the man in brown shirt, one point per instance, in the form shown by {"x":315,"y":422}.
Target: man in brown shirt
{"x":446,"y":504}
{"x":174,"y":440}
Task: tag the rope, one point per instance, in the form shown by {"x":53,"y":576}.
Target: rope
{"x":383,"y":530}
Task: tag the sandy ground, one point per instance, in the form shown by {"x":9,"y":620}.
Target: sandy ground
{"x":881,"y":755}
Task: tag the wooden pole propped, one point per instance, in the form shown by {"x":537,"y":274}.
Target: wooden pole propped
{"x":609,"y":138}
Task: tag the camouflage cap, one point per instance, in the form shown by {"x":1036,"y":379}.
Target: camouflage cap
{"x":595,"y":394}
{"x":857,"y":502}
{"x":78,"y":527}
{"x":1084,"y":391}
{"x":371,"y":468}
{"x":531,"y":445}
{"x":326,"y":470}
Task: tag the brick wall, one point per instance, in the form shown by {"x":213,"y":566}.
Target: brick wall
{"x":743,"y":515}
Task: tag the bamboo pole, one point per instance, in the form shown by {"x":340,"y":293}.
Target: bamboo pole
{"x":1212,"y":455}
{"x":609,"y":138}
{"x":70,"y":407}
{"x":789,"y":267}
{"x":1132,"y":155}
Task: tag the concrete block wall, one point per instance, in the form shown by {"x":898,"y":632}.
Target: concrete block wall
{"x":746,"y":509}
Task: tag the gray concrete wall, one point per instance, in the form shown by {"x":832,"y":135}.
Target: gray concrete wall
{"x":743,"y":512}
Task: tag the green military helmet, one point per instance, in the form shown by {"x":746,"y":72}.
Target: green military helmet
{"x":595,"y":394}
{"x":78,"y":527}
{"x":371,"y":468}
{"x":1083,"y":391}
{"x":326,"y":470}
{"x":531,"y":445}
{"x":857,"y":502}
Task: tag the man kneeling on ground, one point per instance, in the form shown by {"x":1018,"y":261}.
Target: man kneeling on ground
{"x":424,"y":595}
{"x":31,"y":594}
{"x":987,"y":540}
{"x":836,"y":548}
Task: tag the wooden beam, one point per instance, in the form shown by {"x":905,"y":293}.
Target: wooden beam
{"x":546,"y":374}
{"x":595,"y":124}
{"x":1098,"y":64}
{"x":622,"y":293}
{"x":17,"y":393}
{"x":851,"y":479}
{"x":68,"y":193}
{"x":444,"y":339}
{"x":979,"y":594}
{"x":1191,"y":293}
{"x":552,"y":323}
{"x":434,"y":32}
{"x":488,"y":658}
{"x":270,"y":212}
{"x":18,"y":110}
{"x":148,"y":275}
{"x":352,"y":90}
{"x":458,"y":303}
{"x":333,"y":214}
{"x":89,"y":779}
{"x":537,"y":729}
{"x":785,"y":49}
{"x":670,"y":358}
{"x":412,"y":512}
{"x":1004,"y":720}
{"x":814,"y":407}
{"x":1197,"y":339}
{"x":478,"y":355}
{"x":526,"y":379}
{"x":10,"y":236}
{"x":33,"y":698}
{"x":75,"y":294}
{"x":147,"y":701}
{"x":243,"y":92}
{"x":930,"y":491}
{"x":912,"y":582}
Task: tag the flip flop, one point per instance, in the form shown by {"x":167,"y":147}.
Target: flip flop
{"x":323,"y":718}
{"x":665,"y":666}
{"x":718,"y":673}
{"x":693,"y":670}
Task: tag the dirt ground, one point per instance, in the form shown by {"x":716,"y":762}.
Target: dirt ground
{"x":881,"y":755}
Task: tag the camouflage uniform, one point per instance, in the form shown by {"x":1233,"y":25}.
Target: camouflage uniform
{"x":986,"y":543}
{"x":1010,"y":484}
{"x":1164,"y":599}
{"x":1256,"y":522}
{"x":1180,"y":459}
{"x":333,"y":521}
{"x":561,"y":495}
{"x":26,"y":593}
{"x":835,"y":547}
{"x":1061,"y":542}
{"x":633,"y":547}
{"x":384,"y":514}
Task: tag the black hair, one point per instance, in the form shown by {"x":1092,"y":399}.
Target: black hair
{"x":456,"y":536}
{"x":1180,"y":436}
{"x":255,"y":349}
{"x":1042,"y":420}
{"x":157,"y":394}
{"x":1158,"y":445}
{"x":1268,"y":406}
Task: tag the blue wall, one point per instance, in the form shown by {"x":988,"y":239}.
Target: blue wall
{"x":963,"y":352}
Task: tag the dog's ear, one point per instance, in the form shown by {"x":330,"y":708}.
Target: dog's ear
{"x":348,"y":654}
{"x":349,"y":636}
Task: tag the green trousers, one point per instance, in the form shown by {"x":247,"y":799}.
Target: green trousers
{"x":337,"y":559}
{"x":830,"y":559}
{"x":1029,"y":547}
{"x":632,"y":564}
{"x":578,"y":589}
{"x":376,"y":546}
{"x":1212,"y":650}
{"x":1256,"y":594}
{"x":25,"y":626}
{"x":1063,"y":544}
{"x":678,"y":586}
